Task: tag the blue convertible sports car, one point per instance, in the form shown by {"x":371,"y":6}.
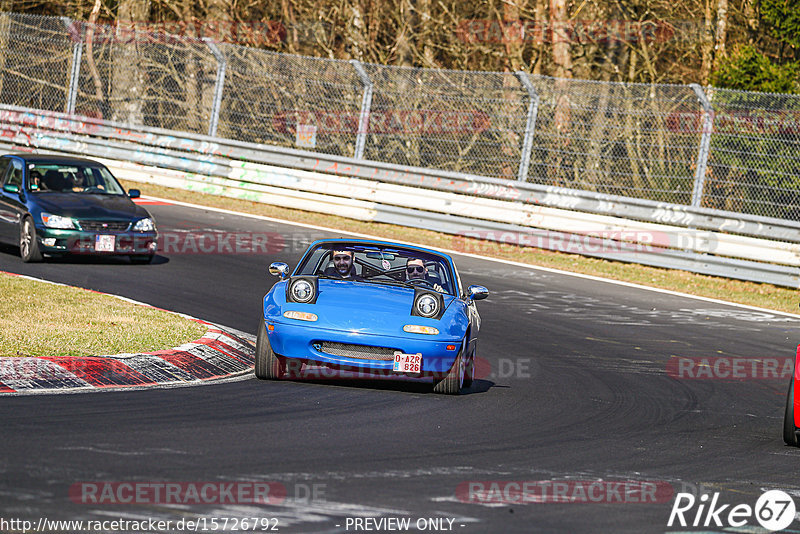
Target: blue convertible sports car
{"x":378,"y":308}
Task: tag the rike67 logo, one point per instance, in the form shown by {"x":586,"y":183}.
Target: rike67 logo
{"x":774,"y":510}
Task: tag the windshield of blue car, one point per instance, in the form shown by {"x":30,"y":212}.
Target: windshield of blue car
{"x":390,"y":266}
{"x":72,"y":178}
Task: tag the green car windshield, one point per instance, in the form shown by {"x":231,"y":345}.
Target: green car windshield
{"x":72,"y":178}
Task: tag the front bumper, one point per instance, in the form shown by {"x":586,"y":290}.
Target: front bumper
{"x":302,"y":342}
{"x":55,"y":241}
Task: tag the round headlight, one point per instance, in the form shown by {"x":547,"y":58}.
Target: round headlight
{"x":302,"y":291}
{"x":427,"y":306}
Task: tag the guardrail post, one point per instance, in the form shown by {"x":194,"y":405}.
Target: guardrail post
{"x":366,"y":105}
{"x":530,"y":126}
{"x":75,"y":71}
{"x":219,"y":85}
{"x":705,"y":145}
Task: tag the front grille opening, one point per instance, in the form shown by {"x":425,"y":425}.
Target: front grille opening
{"x":361,"y":352}
{"x":104,"y":226}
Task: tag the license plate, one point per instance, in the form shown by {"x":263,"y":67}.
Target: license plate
{"x":104,"y":243}
{"x":407,"y":363}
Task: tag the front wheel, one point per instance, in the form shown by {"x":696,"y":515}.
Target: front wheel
{"x":469,"y":371}
{"x":452,"y":383}
{"x":268,"y":365}
{"x":28,"y":246}
{"x":789,"y":430}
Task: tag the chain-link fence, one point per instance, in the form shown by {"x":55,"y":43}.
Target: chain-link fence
{"x":679,"y":144}
{"x":277,"y":99}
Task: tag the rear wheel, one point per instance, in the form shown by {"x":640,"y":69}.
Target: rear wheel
{"x":789,"y":434}
{"x":452,"y":383}
{"x":28,"y":246}
{"x":268,"y":365}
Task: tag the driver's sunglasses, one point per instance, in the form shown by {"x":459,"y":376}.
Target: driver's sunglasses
{"x":415,"y":268}
{"x":341,"y":258}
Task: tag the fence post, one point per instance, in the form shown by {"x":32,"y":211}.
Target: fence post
{"x":366,"y":105}
{"x":705,"y":145}
{"x":219,"y":85}
{"x":530,"y":126}
{"x":75,"y":71}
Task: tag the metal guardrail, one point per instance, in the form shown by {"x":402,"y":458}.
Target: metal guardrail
{"x":12,"y":118}
{"x":679,"y":144}
{"x":469,"y":226}
{"x":457,"y":204}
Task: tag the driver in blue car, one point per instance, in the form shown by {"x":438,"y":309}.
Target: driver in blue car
{"x":343,"y":266}
{"x":416,"y":270}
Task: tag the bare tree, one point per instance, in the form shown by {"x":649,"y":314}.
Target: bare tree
{"x":405,"y":30}
{"x":722,"y":31}
{"x":128,"y":76}
{"x":540,"y":22}
{"x":90,"y":60}
{"x":426,"y":35}
{"x":559,"y":23}
{"x":5,"y":31}
{"x":707,"y":44}
{"x":562,"y":59}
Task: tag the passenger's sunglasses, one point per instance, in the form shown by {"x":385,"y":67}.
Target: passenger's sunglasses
{"x":415,"y":268}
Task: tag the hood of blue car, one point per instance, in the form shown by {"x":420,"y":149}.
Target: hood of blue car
{"x":89,"y":206}
{"x":360,"y":307}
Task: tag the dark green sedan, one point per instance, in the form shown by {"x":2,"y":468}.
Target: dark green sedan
{"x":55,"y":205}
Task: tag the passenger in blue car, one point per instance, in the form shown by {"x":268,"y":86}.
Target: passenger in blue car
{"x":343,"y":266}
{"x":416,"y":270}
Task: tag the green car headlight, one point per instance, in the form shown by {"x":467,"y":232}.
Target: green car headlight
{"x":144,"y":225}
{"x":57,"y":221}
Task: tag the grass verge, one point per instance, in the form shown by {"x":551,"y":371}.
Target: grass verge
{"x":750,"y":293}
{"x":42,"y":319}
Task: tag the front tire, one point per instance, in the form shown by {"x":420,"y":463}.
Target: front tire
{"x":789,"y":430}
{"x":268,"y":365}
{"x":28,"y":245}
{"x":452,"y":383}
{"x":469,"y":371}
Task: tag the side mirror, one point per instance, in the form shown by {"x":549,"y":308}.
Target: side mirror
{"x":134,"y":193}
{"x":279,"y":268}
{"x":477,"y":293}
{"x":11,"y":188}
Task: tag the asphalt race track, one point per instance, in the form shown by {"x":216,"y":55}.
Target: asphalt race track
{"x":575,"y":387}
